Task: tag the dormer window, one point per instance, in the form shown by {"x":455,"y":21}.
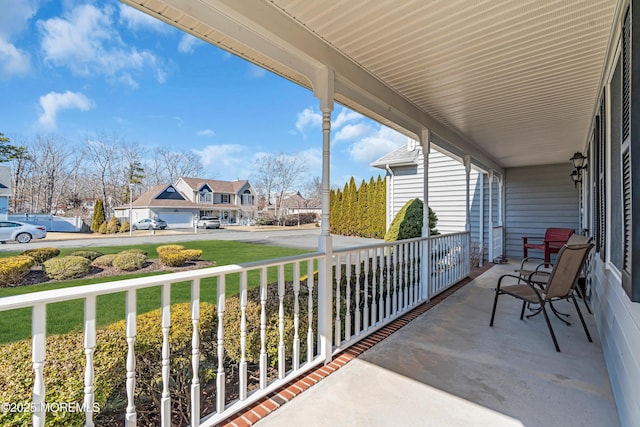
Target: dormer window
{"x":226,"y":198}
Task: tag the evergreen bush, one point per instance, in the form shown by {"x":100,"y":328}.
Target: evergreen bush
{"x":98,"y":216}
{"x":14,"y":269}
{"x":113,"y":226}
{"x":67,"y":267}
{"x":104,"y":260}
{"x":129,"y":261}
{"x":86,"y":253}
{"x":124,"y":228}
{"x":407,"y":223}
{"x":40,"y":255}
{"x":169,"y":248}
{"x":103,"y":228}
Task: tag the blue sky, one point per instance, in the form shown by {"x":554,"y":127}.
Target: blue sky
{"x":77,"y":68}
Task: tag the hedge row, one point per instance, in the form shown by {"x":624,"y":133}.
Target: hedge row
{"x":359,"y":211}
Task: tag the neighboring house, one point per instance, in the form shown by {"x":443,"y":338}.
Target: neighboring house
{"x":5,"y":191}
{"x":447,"y":189}
{"x":293,"y":203}
{"x":182,"y":203}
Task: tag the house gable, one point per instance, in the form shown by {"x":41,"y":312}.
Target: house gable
{"x":170,"y":193}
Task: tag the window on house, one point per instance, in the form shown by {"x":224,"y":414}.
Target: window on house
{"x":615,"y":225}
{"x":599,"y":175}
{"x":226,"y":198}
{"x":206,"y":197}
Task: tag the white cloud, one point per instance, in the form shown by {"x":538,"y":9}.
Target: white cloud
{"x":206,"y":132}
{"x":256,"y":72}
{"x":188,"y":43}
{"x":371,"y":148}
{"x":14,"y":20}
{"x":228,"y":161}
{"x":136,"y":20}
{"x":350,"y":132}
{"x":308,"y":118}
{"x":85,"y":40}
{"x":54,"y":102}
{"x":344,"y":116}
{"x":13,"y":62}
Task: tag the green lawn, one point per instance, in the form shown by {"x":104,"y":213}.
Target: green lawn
{"x":69,"y":315}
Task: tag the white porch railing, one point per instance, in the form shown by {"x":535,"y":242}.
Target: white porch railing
{"x":372,"y":285}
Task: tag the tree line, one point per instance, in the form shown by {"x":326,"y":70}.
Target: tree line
{"x":359,"y":211}
{"x":53,"y":175}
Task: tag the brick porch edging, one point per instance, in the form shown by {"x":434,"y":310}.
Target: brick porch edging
{"x":273,"y":401}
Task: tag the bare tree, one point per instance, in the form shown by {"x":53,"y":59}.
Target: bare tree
{"x":276,"y":175}
{"x":47,"y":175}
{"x":167,"y":166}
{"x":105,"y":154}
{"x":313,"y":192}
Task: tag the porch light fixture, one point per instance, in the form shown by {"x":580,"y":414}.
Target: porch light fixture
{"x":579,"y":161}
{"x":575,"y":176}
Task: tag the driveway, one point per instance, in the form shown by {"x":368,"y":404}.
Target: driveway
{"x":300,"y":238}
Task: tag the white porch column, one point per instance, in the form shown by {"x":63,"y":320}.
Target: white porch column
{"x":425,"y":286}
{"x":491,"y":254}
{"x":467,"y":169}
{"x":481,"y":219}
{"x":500,"y":201}
{"x":324,"y":91}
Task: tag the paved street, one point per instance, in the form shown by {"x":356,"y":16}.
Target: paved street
{"x":303,"y":238}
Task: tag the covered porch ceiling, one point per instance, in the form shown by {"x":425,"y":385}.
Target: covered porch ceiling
{"x":512,"y":83}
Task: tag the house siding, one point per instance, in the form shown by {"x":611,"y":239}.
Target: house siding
{"x":618,"y":322}
{"x":538,"y":197}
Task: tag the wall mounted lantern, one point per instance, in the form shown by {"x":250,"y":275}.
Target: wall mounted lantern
{"x":579,"y":162}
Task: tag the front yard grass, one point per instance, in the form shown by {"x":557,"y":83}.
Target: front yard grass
{"x":68,"y":316}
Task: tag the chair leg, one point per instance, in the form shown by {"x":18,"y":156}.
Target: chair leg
{"x":524,"y":304}
{"x":553,"y":336}
{"x":584,"y":325}
{"x":584,"y":299}
{"x":495,"y":303}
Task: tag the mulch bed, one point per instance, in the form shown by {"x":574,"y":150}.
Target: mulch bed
{"x":37,"y":275}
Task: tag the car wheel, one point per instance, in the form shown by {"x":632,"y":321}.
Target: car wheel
{"x":134,"y":228}
{"x":23,"y":238}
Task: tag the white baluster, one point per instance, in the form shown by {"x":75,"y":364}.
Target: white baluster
{"x":396,"y":279}
{"x":357,"y":306}
{"x":374,"y":287}
{"x":389,"y":282}
{"x":281,"y":348}
{"x":220,"y":377}
{"x":310,"y":282}
{"x":405,"y":286}
{"x":338,"y":323}
{"x":195,"y":353}
{"x":130,"y":416}
{"x":89,"y":349}
{"x":381,"y":282}
{"x":38,"y":351}
{"x":263,"y":328}
{"x":165,"y":401}
{"x":242,"y":368}
{"x":365,"y":320}
{"x":411,"y":268}
{"x":296,"y":316}
{"x":347,"y":314}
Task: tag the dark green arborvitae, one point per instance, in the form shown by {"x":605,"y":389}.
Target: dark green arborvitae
{"x":98,"y":216}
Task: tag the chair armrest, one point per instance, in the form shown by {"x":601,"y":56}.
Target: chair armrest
{"x":526,"y":238}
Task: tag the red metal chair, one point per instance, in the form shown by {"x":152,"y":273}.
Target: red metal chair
{"x":554,"y":239}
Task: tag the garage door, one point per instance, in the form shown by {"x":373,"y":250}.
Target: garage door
{"x":177,"y":220}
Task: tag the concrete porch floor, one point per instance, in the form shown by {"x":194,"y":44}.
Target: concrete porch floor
{"x":449,"y":368}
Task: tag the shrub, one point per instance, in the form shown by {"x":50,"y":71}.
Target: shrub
{"x":103,"y":228}
{"x":124,"y":228}
{"x":192,"y":254}
{"x":174,"y":258}
{"x":67,"y":267}
{"x":14,"y":269}
{"x":407,"y":223}
{"x":40,"y":255}
{"x":104,"y":260}
{"x":86,"y":253}
{"x":135,"y":251}
{"x":64,"y":377}
{"x":113,"y":226}
{"x":169,"y":248}
{"x":98,"y":216}
{"x":129,"y":261}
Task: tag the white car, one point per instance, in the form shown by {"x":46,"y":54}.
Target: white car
{"x":21,"y":232}
{"x":209,"y":222}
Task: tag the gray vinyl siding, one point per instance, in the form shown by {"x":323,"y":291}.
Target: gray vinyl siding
{"x":537,"y":198}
